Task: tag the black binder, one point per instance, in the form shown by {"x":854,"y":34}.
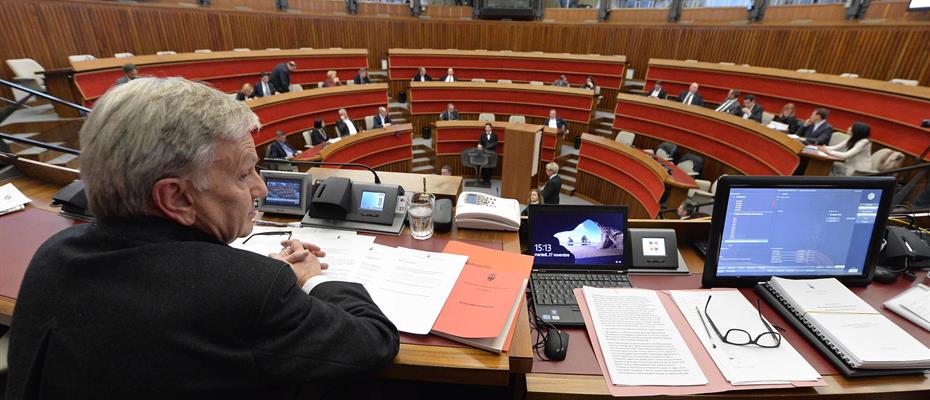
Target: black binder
{"x":829,"y":350}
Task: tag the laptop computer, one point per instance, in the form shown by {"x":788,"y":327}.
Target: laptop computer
{"x":796,"y":227}
{"x":575,"y":246}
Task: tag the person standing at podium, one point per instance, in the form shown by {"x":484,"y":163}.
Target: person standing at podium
{"x":150,"y":301}
{"x":487,"y":142}
{"x":451,"y":114}
{"x":344,"y":125}
{"x":550,"y":191}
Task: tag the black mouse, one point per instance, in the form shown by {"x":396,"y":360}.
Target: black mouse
{"x":556,"y":345}
{"x":884,"y":275}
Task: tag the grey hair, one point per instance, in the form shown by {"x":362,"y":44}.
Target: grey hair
{"x":552,"y":167}
{"x":150,"y":129}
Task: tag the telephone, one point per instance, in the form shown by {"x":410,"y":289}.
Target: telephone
{"x":482,"y":211}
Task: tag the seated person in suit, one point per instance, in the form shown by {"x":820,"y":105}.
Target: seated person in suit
{"x":130,"y":71}
{"x":816,"y":130}
{"x":787,"y":117}
{"x":344,"y":125}
{"x":589,"y":83}
{"x":558,"y":123}
{"x":245,"y":92}
{"x":279,"y":148}
{"x":281,"y":76}
{"x":691,"y":96}
{"x":451,"y":114}
{"x":382,"y":119}
{"x":446,"y":170}
{"x":362,"y":77}
{"x":657,"y":91}
{"x":856,"y":151}
{"x":422,"y":76}
{"x":751,"y":110}
{"x":562,"y":81}
{"x":487,"y":142}
{"x":154,"y":279}
{"x":553,"y":186}
{"x":687,"y":210}
{"x":730,"y":105}
{"x":317,"y":134}
{"x":332,"y":79}
{"x":263,"y":86}
{"x":450,"y":76}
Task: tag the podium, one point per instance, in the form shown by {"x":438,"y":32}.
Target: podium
{"x":521,"y":159}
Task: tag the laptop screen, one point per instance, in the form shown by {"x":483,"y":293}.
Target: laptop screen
{"x":584,"y":237}
{"x":801,"y":229}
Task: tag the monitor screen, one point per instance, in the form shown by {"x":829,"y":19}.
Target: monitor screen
{"x":581,"y":236}
{"x":919,"y":5}
{"x":372,"y":201}
{"x":283,"y":192}
{"x":797,"y":231}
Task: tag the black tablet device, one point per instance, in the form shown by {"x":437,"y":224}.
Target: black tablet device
{"x":796,"y":227}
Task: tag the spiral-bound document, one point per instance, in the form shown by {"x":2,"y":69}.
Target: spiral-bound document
{"x":858,"y":336}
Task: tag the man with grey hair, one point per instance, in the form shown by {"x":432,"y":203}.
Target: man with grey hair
{"x":382,"y":119}
{"x":344,"y":125}
{"x":149,"y":301}
{"x":553,"y":186}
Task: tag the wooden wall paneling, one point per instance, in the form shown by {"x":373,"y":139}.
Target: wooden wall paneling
{"x":833,"y":12}
{"x":570,"y":14}
{"x":51,"y":30}
{"x":895,"y":11}
{"x":245,"y":5}
{"x":713,"y":14}
{"x":393,"y":10}
{"x":448,"y":12}
{"x":317,"y":6}
{"x":638,"y":15}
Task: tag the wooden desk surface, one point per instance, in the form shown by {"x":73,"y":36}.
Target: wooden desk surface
{"x":507,"y":54}
{"x":149,"y":59}
{"x":507,"y":87}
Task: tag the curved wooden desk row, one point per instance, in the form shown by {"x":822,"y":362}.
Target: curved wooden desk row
{"x":502,"y":98}
{"x":607,"y":71}
{"x":296,"y":112}
{"x":746,"y":147}
{"x":893,"y":111}
{"x":384,"y":149}
{"x":611,"y":173}
{"x":225,"y":70}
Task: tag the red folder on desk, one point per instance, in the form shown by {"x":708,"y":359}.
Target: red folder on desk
{"x":486,"y":298}
{"x":716,"y":381}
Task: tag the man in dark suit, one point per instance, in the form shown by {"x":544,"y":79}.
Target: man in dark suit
{"x":691,"y":96}
{"x":150,"y":301}
{"x":281,"y":76}
{"x":487,"y":142}
{"x":730,"y":104}
{"x":362,"y":77}
{"x":130,"y":71}
{"x":553,"y":186}
{"x":344,"y":125}
{"x":317,"y":134}
{"x":816,"y":130}
{"x":558,"y":123}
{"x":382,"y":118}
{"x":657,"y":91}
{"x":279,"y":148}
{"x":751,"y":110}
{"x":422,"y":76}
{"x":263,"y":87}
{"x":450,"y":76}
{"x":451,"y":114}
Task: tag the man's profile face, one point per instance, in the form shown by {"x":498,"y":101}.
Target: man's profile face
{"x":292,"y":68}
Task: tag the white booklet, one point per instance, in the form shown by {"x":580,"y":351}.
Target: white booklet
{"x":913,"y":304}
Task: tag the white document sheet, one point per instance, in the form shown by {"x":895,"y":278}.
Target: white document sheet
{"x":640,"y":343}
{"x":345,"y":250}
{"x":268,"y":244}
{"x":741,"y":365}
{"x":11,"y":199}
{"x":913,"y":304}
{"x":410,"y":286}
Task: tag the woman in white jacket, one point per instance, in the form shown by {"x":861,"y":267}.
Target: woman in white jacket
{"x":856,"y":151}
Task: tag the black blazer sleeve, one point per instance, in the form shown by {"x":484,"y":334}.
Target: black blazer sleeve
{"x":317,"y":136}
{"x":488,"y":144}
{"x":663,"y":95}
{"x":336,"y":330}
{"x":820,"y":136}
{"x":550,"y":191}
{"x":379,"y":124}
{"x":240,"y":96}
{"x":342,"y":128}
{"x":756,"y":114}
{"x":281,"y":78}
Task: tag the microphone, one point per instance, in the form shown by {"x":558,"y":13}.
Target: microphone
{"x":322,"y":163}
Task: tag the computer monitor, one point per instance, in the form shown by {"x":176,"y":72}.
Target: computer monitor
{"x":579,"y":237}
{"x":796,"y":227}
{"x":287,"y":192}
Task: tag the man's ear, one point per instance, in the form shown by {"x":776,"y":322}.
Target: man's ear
{"x":174,"y":199}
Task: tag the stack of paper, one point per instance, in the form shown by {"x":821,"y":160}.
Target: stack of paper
{"x":11,"y":199}
{"x":740,"y":365}
{"x":864,"y":336}
{"x":913,"y":304}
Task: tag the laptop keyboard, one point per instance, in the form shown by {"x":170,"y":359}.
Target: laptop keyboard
{"x":556,"y":289}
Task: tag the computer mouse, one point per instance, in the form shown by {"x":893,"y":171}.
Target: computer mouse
{"x":556,"y":345}
{"x":884,"y":275}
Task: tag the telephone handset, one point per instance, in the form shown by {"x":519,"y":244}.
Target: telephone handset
{"x":482,"y":211}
